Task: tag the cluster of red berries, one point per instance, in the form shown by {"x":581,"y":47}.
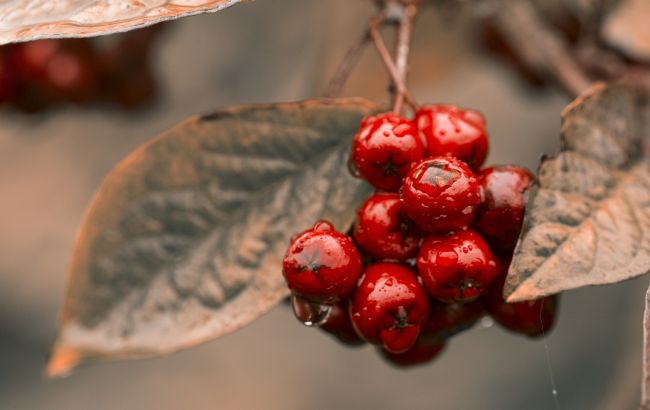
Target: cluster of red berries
{"x":37,"y":75}
{"x":428,"y":253}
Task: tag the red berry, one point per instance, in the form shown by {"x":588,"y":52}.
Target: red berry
{"x":322,"y":264}
{"x":440,"y":194}
{"x":384,"y":150}
{"x":456,"y":267}
{"x":339,"y":325}
{"x":420,"y":353}
{"x":500,"y":215}
{"x":389,"y":307}
{"x":449,"y":130}
{"x":448,"y":319}
{"x":383,"y":230}
{"x":532,"y":318}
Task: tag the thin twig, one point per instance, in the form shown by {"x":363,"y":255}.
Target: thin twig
{"x":384,"y":54}
{"x":350,"y":60}
{"x":402,"y":52}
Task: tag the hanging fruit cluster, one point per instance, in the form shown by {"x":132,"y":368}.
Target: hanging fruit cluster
{"x":428,"y":253}
{"x":42,"y":74}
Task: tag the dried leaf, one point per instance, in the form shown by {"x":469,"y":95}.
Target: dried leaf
{"x":626,"y":28}
{"x":184,"y":241}
{"x":22,"y":20}
{"x":588,"y":220}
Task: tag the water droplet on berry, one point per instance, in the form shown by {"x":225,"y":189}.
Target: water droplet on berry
{"x":310,"y":313}
{"x":353,"y":169}
{"x":486,"y":322}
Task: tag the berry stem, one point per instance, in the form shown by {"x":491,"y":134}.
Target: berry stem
{"x":350,"y":60}
{"x":387,"y":59}
{"x":402,"y":52}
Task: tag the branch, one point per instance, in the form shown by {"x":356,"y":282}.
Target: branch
{"x":541,"y":48}
{"x":396,"y":76}
{"x":402,"y":51}
{"x":350,"y":60}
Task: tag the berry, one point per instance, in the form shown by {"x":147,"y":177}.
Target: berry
{"x":389,"y":307}
{"x":449,"y":130}
{"x":339,"y":325}
{"x":420,"y":353}
{"x":384,"y":150}
{"x":383,"y":230}
{"x":448,"y":319}
{"x":500,"y":215}
{"x":321,"y":264}
{"x":456,"y":267}
{"x":440,"y":194}
{"x":531,"y":318}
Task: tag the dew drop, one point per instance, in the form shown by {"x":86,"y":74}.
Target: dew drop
{"x":310,"y":313}
{"x":486,"y":322}
{"x":353,"y":169}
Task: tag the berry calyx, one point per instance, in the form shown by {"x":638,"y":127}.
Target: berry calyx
{"x":440,"y":194}
{"x":531,"y":318}
{"x":384,"y":150}
{"x":450,"y":130}
{"x":389,"y":307}
{"x":383,"y":230}
{"x":500,"y":214}
{"x":321,"y":264}
{"x":456,"y":267}
{"x":420,"y":353}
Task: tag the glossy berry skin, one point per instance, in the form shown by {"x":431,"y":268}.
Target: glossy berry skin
{"x":456,"y":267}
{"x":532,"y":318}
{"x":449,"y":130}
{"x":322,"y":264}
{"x":383,"y":230}
{"x":503,"y":198}
{"x":389,"y":307}
{"x":384,"y":150}
{"x":422,"y":352}
{"x":448,"y":319}
{"x":339,"y":325}
{"x":440,"y":194}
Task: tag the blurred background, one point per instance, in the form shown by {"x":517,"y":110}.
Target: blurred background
{"x":53,"y":159}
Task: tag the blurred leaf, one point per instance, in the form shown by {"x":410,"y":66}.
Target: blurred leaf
{"x":184,"y":241}
{"x":588,"y":220}
{"x":22,"y":20}
{"x":626,"y":28}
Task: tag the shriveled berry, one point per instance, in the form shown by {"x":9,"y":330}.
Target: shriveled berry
{"x":322,"y":264}
{"x":440,"y":194}
{"x":448,"y":319}
{"x":450,"y":130}
{"x":339,"y":325}
{"x":503,"y":198}
{"x":384,"y":150}
{"x":422,"y":352}
{"x":456,"y":267}
{"x":531,"y":318}
{"x":383,"y":230}
{"x":389,"y":307}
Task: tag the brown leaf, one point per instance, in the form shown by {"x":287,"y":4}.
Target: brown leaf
{"x":626,"y":28}
{"x":22,"y":20}
{"x":183,"y":242}
{"x":588,"y":220}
